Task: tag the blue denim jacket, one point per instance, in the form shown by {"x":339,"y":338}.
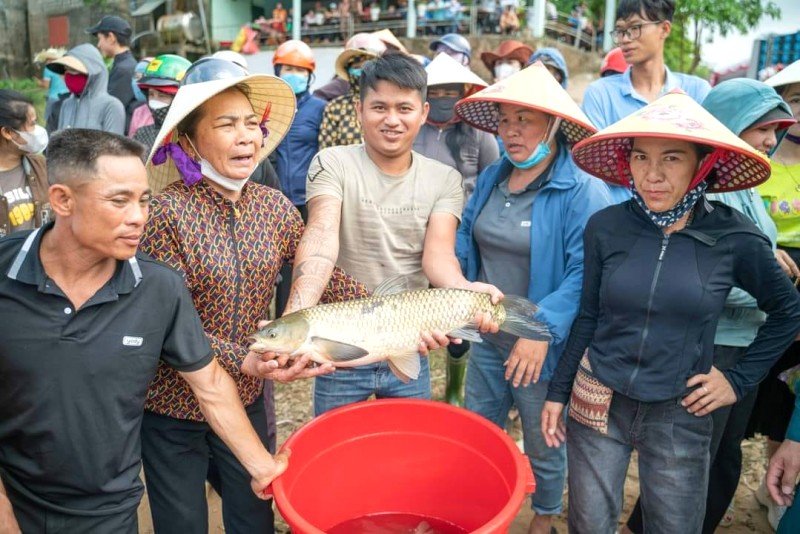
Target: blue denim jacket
{"x":558,"y":217}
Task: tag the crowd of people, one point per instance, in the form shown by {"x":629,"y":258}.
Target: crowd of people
{"x":149,"y":227}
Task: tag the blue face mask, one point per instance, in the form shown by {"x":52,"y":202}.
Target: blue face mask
{"x":137,"y":93}
{"x":297,"y":82}
{"x":541,"y":152}
{"x":355,"y":72}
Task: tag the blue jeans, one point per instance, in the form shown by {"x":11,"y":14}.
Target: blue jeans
{"x":673,"y":447}
{"x":356,"y":384}
{"x":490,"y":395}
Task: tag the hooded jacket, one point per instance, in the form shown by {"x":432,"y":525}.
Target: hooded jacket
{"x":300,"y":145}
{"x":551,"y":56}
{"x":558,"y":216}
{"x":94,"y":108}
{"x":737,"y":104}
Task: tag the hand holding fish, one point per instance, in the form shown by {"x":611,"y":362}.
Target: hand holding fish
{"x":280,"y":367}
{"x":525,"y":362}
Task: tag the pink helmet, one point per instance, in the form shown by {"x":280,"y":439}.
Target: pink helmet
{"x":366,"y":41}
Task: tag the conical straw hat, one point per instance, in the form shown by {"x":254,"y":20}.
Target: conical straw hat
{"x":269,"y":95}
{"x":789,"y":75}
{"x":444,"y":69}
{"x":673,"y":116}
{"x":533,"y":87}
{"x":388,"y":37}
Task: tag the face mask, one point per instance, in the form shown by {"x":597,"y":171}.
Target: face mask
{"x":159,"y":115}
{"x":35,"y":141}
{"x":504,"y":70}
{"x":137,"y":93}
{"x":441,"y":109}
{"x":355,"y":72}
{"x":208,"y":170}
{"x":297,"y":82}
{"x":156,"y":104}
{"x":541,"y":152}
{"x":75,"y":83}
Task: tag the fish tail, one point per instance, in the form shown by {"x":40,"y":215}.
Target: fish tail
{"x":520,"y":319}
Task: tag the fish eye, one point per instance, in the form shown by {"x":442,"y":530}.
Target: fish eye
{"x":273,"y":335}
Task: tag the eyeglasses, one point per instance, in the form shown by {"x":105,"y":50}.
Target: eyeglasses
{"x":631,"y":32}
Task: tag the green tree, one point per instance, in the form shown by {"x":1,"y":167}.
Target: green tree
{"x":705,"y":18}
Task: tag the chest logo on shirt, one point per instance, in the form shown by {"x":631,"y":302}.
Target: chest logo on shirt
{"x":525,"y":224}
{"x":132,"y":341}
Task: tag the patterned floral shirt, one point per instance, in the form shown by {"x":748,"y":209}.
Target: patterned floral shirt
{"x":230,"y":254}
{"x":340,"y":125}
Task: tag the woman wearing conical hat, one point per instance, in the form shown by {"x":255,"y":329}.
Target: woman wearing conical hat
{"x":522,"y":231}
{"x":229,"y":237}
{"x":637,"y":370}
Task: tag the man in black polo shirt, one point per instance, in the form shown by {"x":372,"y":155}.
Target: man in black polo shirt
{"x":113,"y":35}
{"x":84,"y":320}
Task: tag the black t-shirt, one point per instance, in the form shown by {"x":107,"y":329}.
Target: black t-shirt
{"x":73,"y":383}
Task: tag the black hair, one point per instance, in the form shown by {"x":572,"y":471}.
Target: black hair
{"x":122,"y":40}
{"x":72,"y":153}
{"x":189,"y":123}
{"x":13,"y":109}
{"x":652,"y":10}
{"x":396,"y":68}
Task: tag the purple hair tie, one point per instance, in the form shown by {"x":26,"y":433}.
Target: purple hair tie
{"x":187,"y":167}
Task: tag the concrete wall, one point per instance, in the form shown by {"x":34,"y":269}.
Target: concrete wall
{"x":15,"y":57}
{"x":227,"y":17}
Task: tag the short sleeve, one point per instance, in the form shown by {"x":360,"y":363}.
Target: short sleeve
{"x":186,"y":347}
{"x":325,"y":176}
{"x":452,"y":198}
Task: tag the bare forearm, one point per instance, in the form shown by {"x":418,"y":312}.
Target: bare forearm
{"x":8,"y":522}
{"x":219,"y":401}
{"x":316,"y":254}
{"x":443,"y":270}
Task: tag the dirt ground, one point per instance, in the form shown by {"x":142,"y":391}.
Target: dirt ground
{"x":293,"y":403}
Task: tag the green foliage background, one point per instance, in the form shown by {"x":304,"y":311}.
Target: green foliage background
{"x":27,"y":86}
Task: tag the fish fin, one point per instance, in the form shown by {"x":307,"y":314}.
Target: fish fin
{"x":338,"y":351}
{"x":520,"y":319}
{"x":467,"y":333}
{"x":405,"y":366}
{"x":391,"y":286}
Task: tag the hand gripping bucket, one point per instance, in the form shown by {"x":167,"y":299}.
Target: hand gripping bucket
{"x":402,"y":461}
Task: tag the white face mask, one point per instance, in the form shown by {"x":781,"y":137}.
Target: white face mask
{"x":208,"y":171}
{"x":504,"y":70}
{"x":35,"y":141}
{"x":156,"y":104}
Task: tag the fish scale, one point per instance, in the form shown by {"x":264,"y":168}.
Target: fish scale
{"x":389,"y":323}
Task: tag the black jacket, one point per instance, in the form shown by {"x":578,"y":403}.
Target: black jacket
{"x":651,"y":302}
{"x":120,"y":83}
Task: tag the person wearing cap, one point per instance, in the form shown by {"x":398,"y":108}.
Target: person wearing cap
{"x":447,"y":139}
{"x":24,"y":204}
{"x":508,"y":59}
{"x":381,"y":210}
{"x":756,"y":113}
{"x":555,"y":63}
{"x":141,"y":115}
{"x":113,"y":36}
{"x":638,"y":369}
{"x":613,"y":63}
{"x":89,"y":104}
{"x":229,"y":237}
{"x":160,"y":81}
{"x":340,"y":125}
{"x":455,"y":46}
{"x":641,"y":29}
{"x":85,"y":321}
{"x":50,"y":80}
{"x":521,"y":231}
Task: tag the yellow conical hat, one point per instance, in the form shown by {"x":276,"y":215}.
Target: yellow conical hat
{"x":533,"y":87}
{"x":271,"y":98}
{"x":673,"y":116}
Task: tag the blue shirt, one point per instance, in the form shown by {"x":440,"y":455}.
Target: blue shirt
{"x":57,"y":85}
{"x":610,"y":99}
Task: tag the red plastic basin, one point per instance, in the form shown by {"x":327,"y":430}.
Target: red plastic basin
{"x":402,"y":456}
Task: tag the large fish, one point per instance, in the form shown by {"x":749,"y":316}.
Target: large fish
{"x":387,"y":326}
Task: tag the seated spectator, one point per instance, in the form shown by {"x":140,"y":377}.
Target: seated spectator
{"x":509,"y":22}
